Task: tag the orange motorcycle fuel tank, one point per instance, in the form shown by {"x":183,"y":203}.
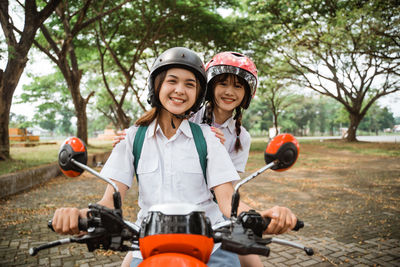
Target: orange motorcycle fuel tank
{"x":177,"y":234}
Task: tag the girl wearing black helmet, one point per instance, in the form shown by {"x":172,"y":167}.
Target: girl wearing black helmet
{"x":169,"y":169}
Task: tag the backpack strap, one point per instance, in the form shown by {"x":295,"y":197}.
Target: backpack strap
{"x":201,"y":146}
{"x":137,"y":147}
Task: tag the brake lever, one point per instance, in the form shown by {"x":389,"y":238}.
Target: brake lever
{"x":242,"y":241}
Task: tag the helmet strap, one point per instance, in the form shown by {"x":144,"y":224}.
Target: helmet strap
{"x":178,"y":116}
{"x":172,"y":123}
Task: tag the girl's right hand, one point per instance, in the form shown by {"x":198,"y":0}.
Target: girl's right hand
{"x":65,"y":220}
{"x":120,"y":136}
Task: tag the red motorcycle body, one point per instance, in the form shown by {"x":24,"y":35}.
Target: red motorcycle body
{"x":176,"y":250}
{"x":176,"y":235}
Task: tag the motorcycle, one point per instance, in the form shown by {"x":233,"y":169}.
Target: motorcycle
{"x":175,"y":234}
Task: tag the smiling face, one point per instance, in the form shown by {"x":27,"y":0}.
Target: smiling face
{"x":178,"y":91}
{"x":228,"y":93}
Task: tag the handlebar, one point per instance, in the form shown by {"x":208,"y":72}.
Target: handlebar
{"x":253,"y":220}
{"x":243,"y":237}
{"x":82,"y":224}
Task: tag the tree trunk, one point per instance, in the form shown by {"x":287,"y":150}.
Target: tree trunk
{"x":123,"y":120}
{"x":17,"y":58}
{"x":355,"y":120}
{"x":80,"y":103}
{"x":4,"y":122}
{"x":82,"y":122}
{"x":276,"y":124}
{"x":8,"y":82}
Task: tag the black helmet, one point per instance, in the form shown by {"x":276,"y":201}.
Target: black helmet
{"x":178,"y":57}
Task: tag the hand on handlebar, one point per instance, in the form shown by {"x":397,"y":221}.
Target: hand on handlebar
{"x":65,"y":220}
{"x":282,"y":220}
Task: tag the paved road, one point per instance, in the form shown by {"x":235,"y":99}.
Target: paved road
{"x":350,"y":223}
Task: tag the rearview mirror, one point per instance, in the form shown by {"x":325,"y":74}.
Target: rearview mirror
{"x":72,"y":148}
{"x":284,"y":150}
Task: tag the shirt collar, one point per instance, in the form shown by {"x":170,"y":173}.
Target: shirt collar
{"x":184,"y":128}
{"x":229,"y":123}
{"x":150,"y":130}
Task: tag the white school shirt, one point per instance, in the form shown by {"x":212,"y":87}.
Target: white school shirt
{"x":169,"y":169}
{"x":240,"y":157}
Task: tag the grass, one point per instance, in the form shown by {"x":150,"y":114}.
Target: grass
{"x":363,"y":148}
{"x":27,"y":157}
{"x":258,"y":146}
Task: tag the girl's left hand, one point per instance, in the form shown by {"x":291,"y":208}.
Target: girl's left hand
{"x":219,"y":134}
{"x":282,"y":220}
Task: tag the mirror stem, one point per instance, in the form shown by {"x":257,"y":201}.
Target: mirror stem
{"x":236,"y":195}
{"x":117,"y":201}
{"x":253,"y":175}
{"x":235,"y":204}
{"x":83,"y":166}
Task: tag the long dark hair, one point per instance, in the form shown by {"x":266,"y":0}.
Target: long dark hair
{"x":210,"y":105}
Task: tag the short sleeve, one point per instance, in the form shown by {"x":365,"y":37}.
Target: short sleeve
{"x":119,"y":165}
{"x":240,"y":157}
{"x":220,"y":168}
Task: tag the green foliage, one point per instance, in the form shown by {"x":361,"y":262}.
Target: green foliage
{"x":19,"y":121}
{"x":130,"y":39}
{"x":55,"y":109}
{"x":377,"y":119}
{"x":347,"y":50}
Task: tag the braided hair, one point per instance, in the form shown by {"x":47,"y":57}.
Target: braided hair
{"x":238,"y":123}
{"x":208,"y":114}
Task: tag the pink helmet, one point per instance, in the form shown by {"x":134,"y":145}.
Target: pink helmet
{"x":233,"y":63}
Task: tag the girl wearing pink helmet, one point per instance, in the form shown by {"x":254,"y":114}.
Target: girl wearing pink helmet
{"x":231,"y":84}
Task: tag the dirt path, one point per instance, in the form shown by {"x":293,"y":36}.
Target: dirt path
{"x":343,"y":195}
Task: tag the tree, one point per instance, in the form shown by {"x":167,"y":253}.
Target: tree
{"x":19,"y":121}
{"x":347,"y":50}
{"x":301,"y":115}
{"x":377,"y":119}
{"x":158,"y":25}
{"x":257,"y":117}
{"x":61,"y":40}
{"x":17,"y":57}
{"x":50,"y":114}
{"x":278,"y":97}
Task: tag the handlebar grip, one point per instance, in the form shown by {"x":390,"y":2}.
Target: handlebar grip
{"x":82,"y":224}
{"x":297,"y":227}
{"x":50,"y":225}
